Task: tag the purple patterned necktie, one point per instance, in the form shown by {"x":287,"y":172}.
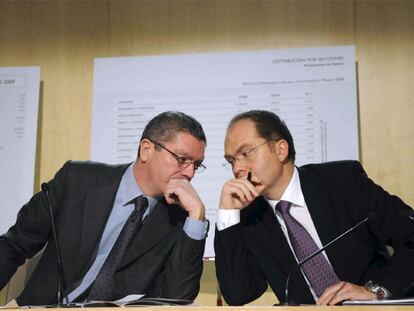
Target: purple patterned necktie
{"x":103,"y":286}
{"x":317,"y":270}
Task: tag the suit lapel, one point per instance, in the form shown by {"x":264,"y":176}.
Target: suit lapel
{"x":322,"y":217}
{"x":271,"y":232}
{"x":98,"y":206}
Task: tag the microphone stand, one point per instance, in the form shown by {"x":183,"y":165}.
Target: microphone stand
{"x":61,"y":279}
{"x":300,"y":263}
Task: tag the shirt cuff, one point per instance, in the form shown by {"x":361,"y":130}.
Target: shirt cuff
{"x":196,"y":229}
{"x":227,"y":218}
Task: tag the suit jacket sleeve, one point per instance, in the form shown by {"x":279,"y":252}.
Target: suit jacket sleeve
{"x":180,"y":278}
{"x":394,"y":227}
{"x":239,"y":277}
{"x":30,"y":232}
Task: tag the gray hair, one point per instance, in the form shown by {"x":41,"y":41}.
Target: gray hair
{"x":165,"y":127}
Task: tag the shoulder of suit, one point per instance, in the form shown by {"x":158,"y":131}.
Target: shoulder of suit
{"x":89,"y":170}
{"x":331,"y":177}
{"x":344,"y":166}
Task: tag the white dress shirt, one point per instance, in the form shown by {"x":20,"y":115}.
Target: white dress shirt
{"x":299,"y":210}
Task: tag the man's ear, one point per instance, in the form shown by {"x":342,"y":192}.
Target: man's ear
{"x":146,"y":149}
{"x":282,"y":150}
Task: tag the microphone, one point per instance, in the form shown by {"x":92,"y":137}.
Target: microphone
{"x":61,"y":279}
{"x":370,"y":218}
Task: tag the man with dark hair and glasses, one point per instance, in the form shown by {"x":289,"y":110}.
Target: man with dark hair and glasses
{"x":273,"y":215}
{"x":137,"y":228}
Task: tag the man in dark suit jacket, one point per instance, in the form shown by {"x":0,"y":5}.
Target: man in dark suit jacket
{"x":91,"y":203}
{"x":253,"y":242}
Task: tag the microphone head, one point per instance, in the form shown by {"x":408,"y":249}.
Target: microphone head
{"x":411,"y":215}
{"x":45,"y":187}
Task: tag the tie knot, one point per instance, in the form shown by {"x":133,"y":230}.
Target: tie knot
{"x":283,"y":207}
{"x":141,"y":203}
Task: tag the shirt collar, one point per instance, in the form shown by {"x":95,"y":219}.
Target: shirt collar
{"x":130,"y":189}
{"x":293,"y":192}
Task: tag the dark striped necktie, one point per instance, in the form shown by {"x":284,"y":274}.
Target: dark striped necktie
{"x":103,"y":286}
{"x":317,"y":270}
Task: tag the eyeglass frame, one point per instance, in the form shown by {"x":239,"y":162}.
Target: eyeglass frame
{"x":183,"y":162}
{"x":243,"y":157}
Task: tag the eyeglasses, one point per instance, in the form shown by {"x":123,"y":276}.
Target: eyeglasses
{"x":183,"y":162}
{"x":244,"y":156}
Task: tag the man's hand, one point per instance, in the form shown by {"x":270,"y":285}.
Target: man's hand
{"x":181,"y":192}
{"x":344,"y":291}
{"x":237,"y":193}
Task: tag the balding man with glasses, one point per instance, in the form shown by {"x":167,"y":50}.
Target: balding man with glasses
{"x":137,"y":228}
{"x":274,"y":215}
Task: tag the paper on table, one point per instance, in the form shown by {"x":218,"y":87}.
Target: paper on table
{"x":128,"y":298}
{"x":137,"y":300}
{"x":405,"y":301}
